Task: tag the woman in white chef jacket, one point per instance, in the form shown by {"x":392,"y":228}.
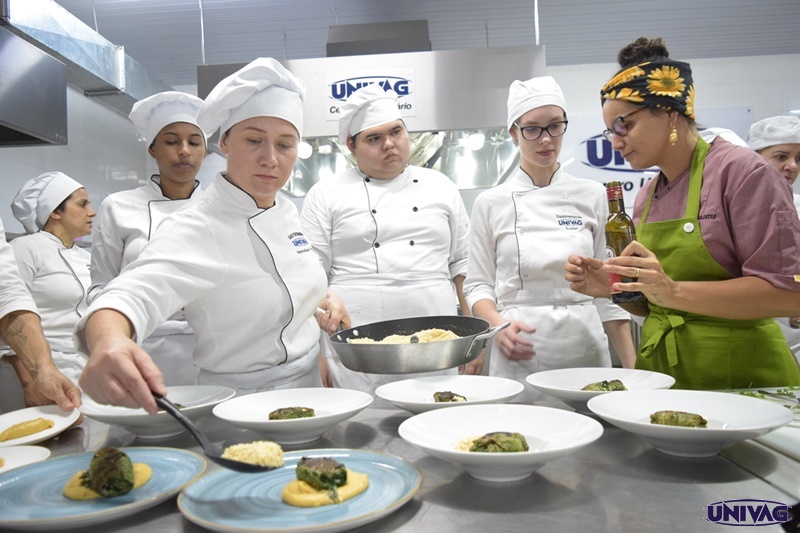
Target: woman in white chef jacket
{"x":127,"y":220}
{"x":521,"y":232}
{"x":236,"y":261}
{"x":55,"y":210}
{"x":392,"y":237}
{"x":778,"y":140}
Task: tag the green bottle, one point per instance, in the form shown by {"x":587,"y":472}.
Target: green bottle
{"x":619,"y":234}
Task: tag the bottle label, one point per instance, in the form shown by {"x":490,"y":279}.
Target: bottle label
{"x":612,"y":278}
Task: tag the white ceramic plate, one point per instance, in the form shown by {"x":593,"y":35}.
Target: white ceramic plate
{"x":31,"y":496}
{"x":550,"y":433}
{"x":16,"y":456}
{"x":416,"y":395}
{"x":197,"y":401}
{"x":331,"y":406}
{"x":566,"y":383}
{"x":731,"y":418}
{"x":61,"y":422}
{"x":225,"y":500}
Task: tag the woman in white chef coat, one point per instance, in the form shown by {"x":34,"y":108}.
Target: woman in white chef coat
{"x":778,"y":140}
{"x":55,"y":210}
{"x":38,"y":381}
{"x":127,"y":220}
{"x":392,"y":237}
{"x":236,"y":261}
{"x":522,"y":231}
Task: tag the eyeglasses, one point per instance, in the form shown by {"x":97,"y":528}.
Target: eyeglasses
{"x":618,"y":126}
{"x":531,"y":133}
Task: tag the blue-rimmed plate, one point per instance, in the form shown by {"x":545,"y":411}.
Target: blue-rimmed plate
{"x":230,"y":501}
{"x":31,"y":496}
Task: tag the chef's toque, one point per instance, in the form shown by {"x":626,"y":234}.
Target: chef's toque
{"x":536,"y":92}
{"x":782,"y":129}
{"x":38,"y":198}
{"x":155,"y":112}
{"x":366,"y":108}
{"x":262,"y":88}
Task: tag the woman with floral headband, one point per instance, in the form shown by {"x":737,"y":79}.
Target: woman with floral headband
{"x":718,"y":237}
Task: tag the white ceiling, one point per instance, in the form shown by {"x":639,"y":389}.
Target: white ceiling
{"x":165,"y":35}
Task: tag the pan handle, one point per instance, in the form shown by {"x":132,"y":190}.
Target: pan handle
{"x":491,"y":332}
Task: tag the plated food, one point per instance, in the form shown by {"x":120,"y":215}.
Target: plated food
{"x":570,"y":384}
{"x":111,"y":473}
{"x":729,"y":418}
{"x":495,"y":442}
{"x":224,"y":500}
{"x":448,"y":396}
{"x":25,"y":427}
{"x":196,"y":401}
{"x":420,"y":394}
{"x":678,"y":418}
{"x":549,"y":433}
{"x":331,"y":406}
{"x":323,"y":481}
{"x":31,"y":497}
{"x":606,"y":386}
{"x":288,"y":413}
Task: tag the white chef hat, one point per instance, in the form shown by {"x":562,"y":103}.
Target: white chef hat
{"x":366,"y":108}
{"x":38,"y":198}
{"x":783,"y":129}
{"x":151,"y":114}
{"x":262,"y":88}
{"x":536,"y":92}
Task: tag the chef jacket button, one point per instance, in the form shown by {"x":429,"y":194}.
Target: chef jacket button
{"x":688,"y":227}
{"x":366,"y":179}
{"x":415,"y":209}
{"x":374,"y":211}
{"x":411,"y":243}
{"x":524,"y":275}
{"x":377,"y":245}
{"x":416,"y":181}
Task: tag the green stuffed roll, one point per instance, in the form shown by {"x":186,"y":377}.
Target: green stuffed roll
{"x":500,"y":441}
{"x":110,"y":473}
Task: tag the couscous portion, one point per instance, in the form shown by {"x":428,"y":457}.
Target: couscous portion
{"x":260,"y":452}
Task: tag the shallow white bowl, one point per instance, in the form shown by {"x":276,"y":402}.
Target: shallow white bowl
{"x":197,"y":401}
{"x":566,"y":383}
{"x":731,"y":418}
{"x":331,"y":406}
{"x":551,"y":433}
{"x":416,"y":395}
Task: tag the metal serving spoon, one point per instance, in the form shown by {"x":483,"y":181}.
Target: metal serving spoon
{"x":211,"y":451}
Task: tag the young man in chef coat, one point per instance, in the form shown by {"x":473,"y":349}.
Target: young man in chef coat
{"x":21,"y":328}
{"x":392,"y":237}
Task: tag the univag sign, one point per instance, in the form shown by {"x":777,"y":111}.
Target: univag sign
{"x":340,"y":90}
{"x":340,"y":87}
{"x":598,"y":153}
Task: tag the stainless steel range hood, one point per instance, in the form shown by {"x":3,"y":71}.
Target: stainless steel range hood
{"x":90,"y":62}
{"x":452,"y":101}
{"x":33,"y":94}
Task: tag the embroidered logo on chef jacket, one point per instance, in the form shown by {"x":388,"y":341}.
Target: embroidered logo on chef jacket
{"x":299,"y":241}
{"x":570,"y":222}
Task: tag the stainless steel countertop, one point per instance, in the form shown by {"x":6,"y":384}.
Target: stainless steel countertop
{"x":618,"y":483}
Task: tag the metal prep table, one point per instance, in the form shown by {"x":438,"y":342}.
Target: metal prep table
{"x":617,"y":483}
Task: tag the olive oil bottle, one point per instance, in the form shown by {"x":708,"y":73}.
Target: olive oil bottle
{"x":619,"y":233}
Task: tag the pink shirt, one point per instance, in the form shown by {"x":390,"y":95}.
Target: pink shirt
{"x":747,"y":215}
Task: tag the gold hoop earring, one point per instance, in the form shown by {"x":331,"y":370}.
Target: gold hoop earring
{"x":673,"y":136}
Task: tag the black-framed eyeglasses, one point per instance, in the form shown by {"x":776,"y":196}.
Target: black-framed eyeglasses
{"x":531,"y":133}
{"x":618,"y":126}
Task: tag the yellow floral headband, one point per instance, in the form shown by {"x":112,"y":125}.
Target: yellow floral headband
{"x":665,"y":84}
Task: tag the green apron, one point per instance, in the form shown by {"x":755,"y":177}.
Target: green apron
{"x":703,"y":352}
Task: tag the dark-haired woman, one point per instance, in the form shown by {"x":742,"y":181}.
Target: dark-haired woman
{"x":718,"y":237}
